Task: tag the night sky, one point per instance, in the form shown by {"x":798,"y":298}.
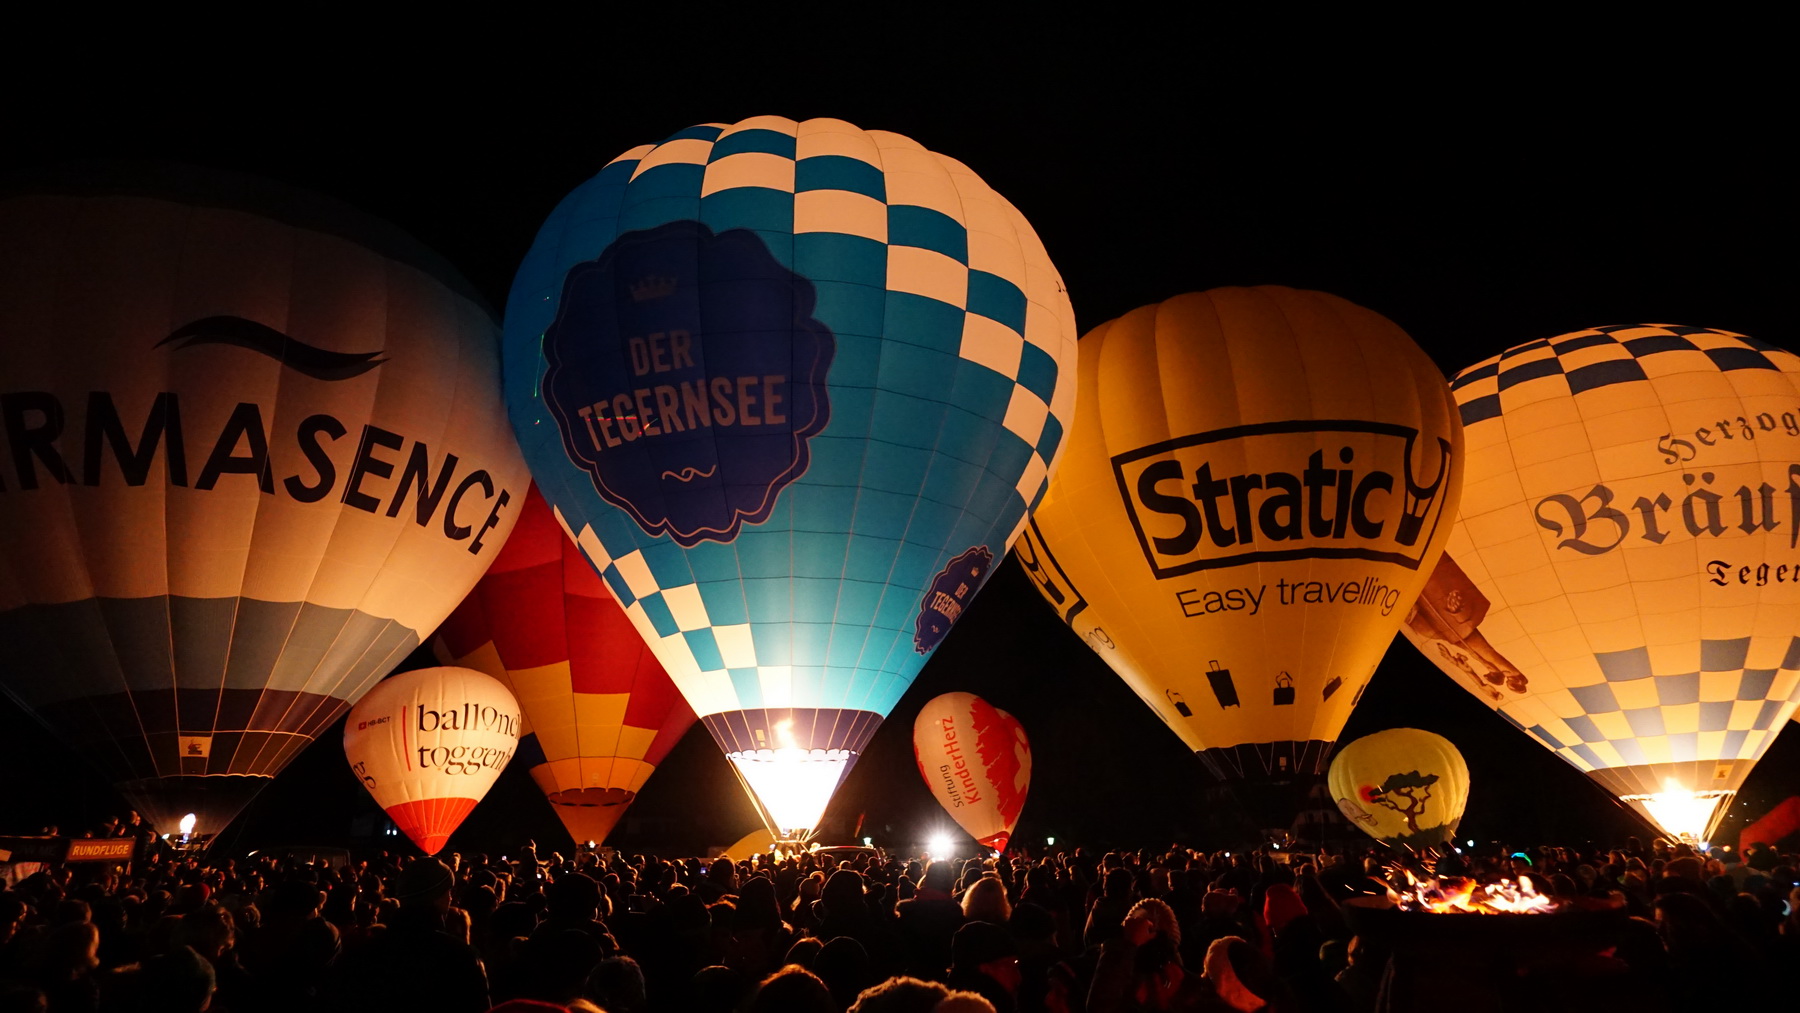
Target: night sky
{"x":1478,"y":204}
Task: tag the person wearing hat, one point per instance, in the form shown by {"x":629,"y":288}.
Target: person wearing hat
{"x":1141,"y":968}
{"x":984,"y":960}
{"x":413,"y":963}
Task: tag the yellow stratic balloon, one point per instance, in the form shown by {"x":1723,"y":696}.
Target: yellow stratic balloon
{"x":1256,"y":486}
{"x":1403,"y":787}
{"x":1622,"y":580}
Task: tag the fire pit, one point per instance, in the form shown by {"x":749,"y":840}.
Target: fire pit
{"x":1461,"y":895}
{"x":1480,"y":941}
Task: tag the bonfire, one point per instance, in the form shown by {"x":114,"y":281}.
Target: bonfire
{"x":1459,"y":895}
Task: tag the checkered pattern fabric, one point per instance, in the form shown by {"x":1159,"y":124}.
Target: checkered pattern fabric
{"x":1636,"y":715}
{"x":1587,"y":360}
{"x":950,"y":389}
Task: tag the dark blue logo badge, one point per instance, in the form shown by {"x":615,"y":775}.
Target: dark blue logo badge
{"x":948,"y":595}
{"x":687,"y":374}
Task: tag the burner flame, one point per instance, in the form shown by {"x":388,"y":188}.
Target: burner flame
{"x":1455,"y":895}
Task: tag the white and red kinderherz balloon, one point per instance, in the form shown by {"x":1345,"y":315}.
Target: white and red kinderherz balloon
{"x":428,"y":745}
{"x":975,"y":758}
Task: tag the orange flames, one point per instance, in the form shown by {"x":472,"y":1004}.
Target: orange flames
{"x":1455,"y":895}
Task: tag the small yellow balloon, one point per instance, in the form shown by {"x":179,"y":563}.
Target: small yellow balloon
{"x":1404,"y":787}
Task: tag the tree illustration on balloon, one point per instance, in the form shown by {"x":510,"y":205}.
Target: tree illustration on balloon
{"x":1411,"y":788}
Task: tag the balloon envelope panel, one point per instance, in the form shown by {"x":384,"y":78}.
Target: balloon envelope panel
{"x":599,"y":712}
{"x":1256,"y":487}
{"x":1620,"y":582}
{"x":254,"y":452}
{"x":794,"y":387}
{"x":428,"y":744}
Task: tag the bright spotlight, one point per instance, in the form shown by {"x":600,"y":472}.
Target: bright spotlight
{"x":187,"y":824}
{"x":939,"y":847}
{"x":1050,"y":842}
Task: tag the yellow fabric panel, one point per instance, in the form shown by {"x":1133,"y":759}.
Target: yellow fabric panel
{"x":1718,"y":686}
{"x":576,"y":772}
{"x":599,"y":716}
{"x":1608,"y":753}
{"x":1681,"y":718}
{"x":544,"y":694}
{"x":1712,"y":743}
{"x":635,"y":742}
{"x":1635,"y":695}
{"x":1612,"y":725}
{"x":636,"y":772}
{"x":1743,"y":714}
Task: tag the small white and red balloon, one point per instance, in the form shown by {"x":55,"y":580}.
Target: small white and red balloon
{"x":428,"y":744}
{"x":976,"y":761}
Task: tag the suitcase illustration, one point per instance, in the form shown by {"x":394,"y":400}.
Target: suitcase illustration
{"x":1451,"y":607}
{"x":1332,"y":687}
{"x":1284,"y":690}
{"x":1181,"y":706}
{"x":1222,"y":686}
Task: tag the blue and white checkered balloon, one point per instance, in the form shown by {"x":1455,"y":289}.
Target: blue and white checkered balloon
{"x":793,"y":387}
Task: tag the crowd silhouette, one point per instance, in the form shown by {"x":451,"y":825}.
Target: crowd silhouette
{"x":1165,"y":928}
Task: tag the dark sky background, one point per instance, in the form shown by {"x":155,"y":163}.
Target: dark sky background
{"x":1477,"y":201}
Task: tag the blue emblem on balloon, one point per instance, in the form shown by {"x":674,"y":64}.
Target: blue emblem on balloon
{"x":948,"y":595}
{"x":687,"y":375}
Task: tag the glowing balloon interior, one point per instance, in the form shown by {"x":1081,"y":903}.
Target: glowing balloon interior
{"x":254,"y":452}
{"x":976,"y":761}
{"x":428,"y":745}
{"x":1256,"y":487}
{"x":599,"y":712}
{"x":1615,"y":585}
{"x":793,"y":386}
{"x":1404,"y":787}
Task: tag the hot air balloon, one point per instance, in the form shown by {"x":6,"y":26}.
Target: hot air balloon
{"x":254,"y":452}
{"x":599,"y":712}
{"x":428,"y":744}
{"x":794,"y":387}
{"x":1255,"y":490}
{"x":976,"y":760}
{"x":1405,"y":787}
{"x":1619,"y":580}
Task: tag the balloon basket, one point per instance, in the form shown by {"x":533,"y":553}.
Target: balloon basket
{"x":1486,"y":963}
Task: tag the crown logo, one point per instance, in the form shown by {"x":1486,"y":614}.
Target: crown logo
{"x":653,"y":286}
